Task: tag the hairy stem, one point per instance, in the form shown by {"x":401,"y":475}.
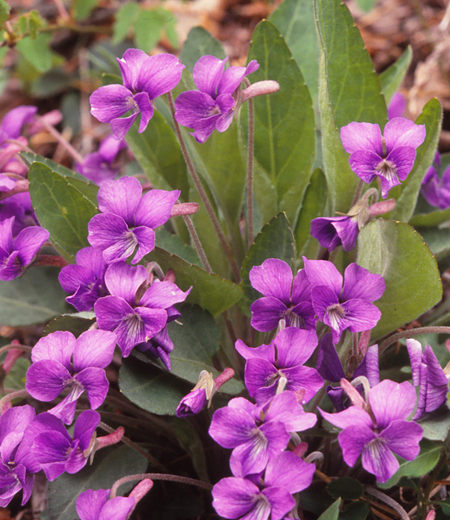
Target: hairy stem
{"x":410,"y":333}
{"x":197,"y":243}
{"x":251,"y":134}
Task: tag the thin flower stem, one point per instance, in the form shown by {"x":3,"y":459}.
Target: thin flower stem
{"x":358,"y":192}
{"x":210,"y":210}
{"x":160,"y":476}
{"x":135,"y":447}
{"x":15,"y":347}
{"x":251,"y":135}
{"x":60,"y":139}
{"x":197,"y":243}
{"x":389,"y":501}
{"x":11,"y":396}
{"x":410,"y":333}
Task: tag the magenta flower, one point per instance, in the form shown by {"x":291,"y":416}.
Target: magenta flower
{"x":285,"y":475}
{"x":135,"y":314}
{"x":376,"y":436}
{"x":17,"y":253}
{"x":85,"y":280}
{"x":281,"y":363}
{"x":60,"y":361}
{"x":144,"y":79}
{"x":55,"y":450}
{"x":95,"y":505}
{"x":99,"y":166}
{"x":397,"y":106}
{"x":285,"y":297}
{"x":211,"y":107}
{"x":128,"y":218}
{"x":349,"y":307}
{"x":390,"y":158}
{"x":16,"y":467}
{"x":436,"y":186}
{"x":428,"y":375}
{"x":257,"y":433}
{"x":332,"y":232}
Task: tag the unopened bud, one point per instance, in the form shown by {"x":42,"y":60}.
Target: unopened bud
{"x":259,"y":89}
{"x":185,"y":208}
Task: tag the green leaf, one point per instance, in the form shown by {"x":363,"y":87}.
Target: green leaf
{"x":332,"y":513}
{"x":150,"y":388}
{"x":125,"y":18}
{"x":407,"y":193}
{"x":438,"y":240}
{"x":83,"y":8}
{"x":109,"y":465}
{"x":16,"y":378}
{"x":274,"y":241}
{"x":158,"y":152}
{"x":366,"y":5}
{"x":355,"y":511}
{"x":346,"y":488}
{"x":63,"y":209}
{"x":436,"y":425}
{"x":312,"y":207}
{"x":148,"y":27}
{"x":434,"y":218}
{"x":75,"y":323}
{"x":420,"y":466}
{"x":4,"y":11}
{"x":413,"y":284}
{"x":210,"y":291}
{"x":174,"y":245}
{"x":196,"y":338}
{"x":37,"y":51}
{"x":295,"y":21}
{"x":30,"y":158}
{"x":392,"y":77}
{"x":36,"y":297}
{"x":198,"y":43}
{"x":349,"y":91}
{"x":284,"y":121}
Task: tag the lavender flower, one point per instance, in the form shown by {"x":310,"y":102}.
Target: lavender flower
{"x":55,"y":450}
{"x":144,"y":79}
{"x":85,"y":281}
{"x":397,"y":106}
{"x":285,"y":475}
{"x":271,"y":368}
{"x":99,"y":166}
{"x":349,"y":307}
{"x":61,"y":361}
{"x":212,"y":105}
{"x":257,"y":433}
{"x":428,"y":375}
{"x":128,"y":219}
{"x":436,"y":187}
{"x":332,"y":232}
{"x":95,"y":505}
{"x":390,"y":158}
{"x":17,"y":253}
{"x":134,"y":318}
{"x":285,"y":297}
{"x":18,"y":206}
{"x":16,"y":467}
{"x":376,"y":436}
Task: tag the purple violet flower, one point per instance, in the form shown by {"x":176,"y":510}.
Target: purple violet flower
{"x":17,"y":253}
{"x":144,"y":79}
{"x":285,"y":297}
{"x":99,"y":166}
{"x":55,"y":450}
{"x":428,"y":375}
{"x":376,"y":436}
{"x":211,"y":107}
{"x":257,"y":433}
{"x":20,"y":207}
{"x":135,"y":319}
{"x":96,"y":505}
{"x":390,"y":158}
{"x":269,"y":368}
{"x":61,"y":361}
{"x":344,"y":308}
{"x":13,"y":122}
{"x":397,"y":106}
{"x":128,"y":218}
{"x":436,"y":187}
{"x":85,"y":280}
{"x":285,"y":475}
{"x":16,"y":467}
{"x":332,"y":232}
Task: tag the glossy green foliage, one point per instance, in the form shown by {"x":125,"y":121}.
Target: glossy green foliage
{"x":284,"y":121}
{"x":413,"y":284}
{"x":35,"y":297}
{"x":63,"y":206}
{"x":392,"y":77}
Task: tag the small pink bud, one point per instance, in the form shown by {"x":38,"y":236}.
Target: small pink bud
{"x":353,"y":394}
{"x":185,"y":208}
{"x":380,"y":208}
{"x":300,"y":449}
{"x":364,"y":342}
{"x":11,"y":357}
{"x":141,"y":490}
{"x":109,"y":440}
{"x":259,"y":89}
{"x":169,"y":276}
